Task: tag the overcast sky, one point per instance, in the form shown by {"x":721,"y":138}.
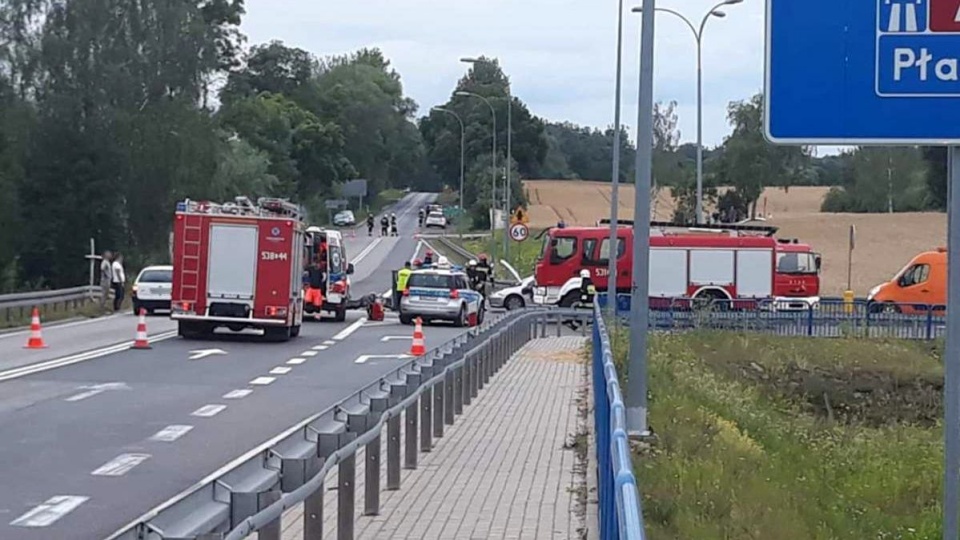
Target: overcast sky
{"x":559,"y":54}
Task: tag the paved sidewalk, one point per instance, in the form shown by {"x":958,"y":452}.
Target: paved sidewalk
{"x":512,"y":467}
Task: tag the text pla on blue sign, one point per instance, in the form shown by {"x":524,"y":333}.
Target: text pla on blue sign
{"x":863,"y":72}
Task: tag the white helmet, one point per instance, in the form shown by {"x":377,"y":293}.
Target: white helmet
{"x":442,"y":261}
{"x":584,"y":273}
{"x":313,"y":229}
{"x":471,"y":262}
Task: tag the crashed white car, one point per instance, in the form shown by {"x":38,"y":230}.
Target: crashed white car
{"x":517,"y":296}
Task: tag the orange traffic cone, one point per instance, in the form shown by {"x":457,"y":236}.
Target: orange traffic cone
{"x":418,"y":348}
{"x":141,"y":341}
{"x":36,"y":339}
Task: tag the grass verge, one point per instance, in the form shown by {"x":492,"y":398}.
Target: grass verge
{"x":523,"y":255}
{"x":763,"y":437}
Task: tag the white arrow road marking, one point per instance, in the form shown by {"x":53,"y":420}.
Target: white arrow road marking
{"x":281,"y":370}
{"x":391,"y":338}
{"x":262,"y":381}
{"x":171,"y":433}
{"x":363,"y":359}
{"x":238,"y":394}
{"x":350,"y":329}
{"x":121,"y":465}
{"x":203,"y":353}
{"x":208,"y":410}
{"x":309,"y":353}
{"x":95,"y":389}
{"x":50,"y":511}
{"x":296,"y":361}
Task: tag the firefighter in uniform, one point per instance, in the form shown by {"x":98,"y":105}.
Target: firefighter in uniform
{"x":587,"y":293}
{"x":428,"y":258}
{"x":370,"y":225}
{"x":384,"y":224}
{"x":393,"y":225}
{"x":484,"y":274}
{"x":420,"y":216}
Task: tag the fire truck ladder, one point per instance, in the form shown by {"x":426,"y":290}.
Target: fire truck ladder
{"x":190,"y":275}
{"x":733,"y":229}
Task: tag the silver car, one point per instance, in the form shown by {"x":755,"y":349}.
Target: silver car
{"x":440,"y":295}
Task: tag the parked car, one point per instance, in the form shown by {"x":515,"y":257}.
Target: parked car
{"x":152,"y":288}
{"x":436,"y":219}
{"x":344,"y":219}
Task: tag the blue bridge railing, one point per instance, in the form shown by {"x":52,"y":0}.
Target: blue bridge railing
{"x":826,"y":318}
{"x":621,"y":516}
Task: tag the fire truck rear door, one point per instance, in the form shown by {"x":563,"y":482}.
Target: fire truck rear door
{"x":232,"y":267}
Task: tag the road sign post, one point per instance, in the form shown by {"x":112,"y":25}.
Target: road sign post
{"x":875,"y":72}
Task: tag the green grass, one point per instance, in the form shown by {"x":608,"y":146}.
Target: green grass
{"x":49,"y":315}
{"x":523,"y":255}
{"x":744,"y":451}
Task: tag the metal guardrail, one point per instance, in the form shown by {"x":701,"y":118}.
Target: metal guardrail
{"x":426,"y":394}
{"x":17,"y":305}
{"x":621,"y":515}
{"x":452,"y":246}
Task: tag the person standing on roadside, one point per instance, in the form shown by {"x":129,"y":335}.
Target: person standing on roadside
{"x":106,"y":278}
{"x":119,"y":281}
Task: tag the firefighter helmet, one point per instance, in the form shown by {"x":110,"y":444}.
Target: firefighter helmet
{"x":584,"y":273}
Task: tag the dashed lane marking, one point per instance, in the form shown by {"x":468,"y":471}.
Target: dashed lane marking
{"x":50,"y":511}
{"x":320,"y":347}
{"x":296,"y":361}
{"x":281,"y":370}
{"x":121,"y":465}
{"x":208,"y":410}
{"x":171,"y":433}
{"x":263,"y":381}
{"x":328,"y":342}
{"x":238,"y":394}
{"x":309,"y":353}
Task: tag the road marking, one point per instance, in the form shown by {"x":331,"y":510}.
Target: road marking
{"x":363,"y":359}
{"x":391,"y":338}
{"x":262,"y":381}
{"x":208,"y":410}
{"x":309,"y":353}
{"x":171,"y":433}
{"x":281,"y":370}
{"x":350,"y":329}
{"x":55,"y":326}
{"x":238,"y":394}
{"x":296,"y":361}
{"x":50,"y":511}
{"x":366,"y":251}
{"x":121,"y":465}
{"x":16,"y":373}
{"x":95,"y":389}
{"x":203,"y":353}
{"x":328,"y":342}
{"x":84,"y":395}
{"x":319,"y":347}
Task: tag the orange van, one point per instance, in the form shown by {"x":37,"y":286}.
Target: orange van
{"x":921,"y":284}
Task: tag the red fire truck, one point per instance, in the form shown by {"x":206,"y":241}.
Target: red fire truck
{"x":740,"y":264}
{"x":238,"y":265}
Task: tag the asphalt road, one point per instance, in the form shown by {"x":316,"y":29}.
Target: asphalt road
{"x":90,"y":446}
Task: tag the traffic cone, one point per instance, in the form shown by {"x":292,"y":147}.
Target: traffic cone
{"x":36,"y":339}
{"x":141,"y":341}
{"x":418,"y":348}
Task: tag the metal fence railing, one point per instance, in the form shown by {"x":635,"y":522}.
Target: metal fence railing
{"x":426,"y":394}
{"x":621,"y":516}
{"x":826,"y":318}
{"x":17,"y":306}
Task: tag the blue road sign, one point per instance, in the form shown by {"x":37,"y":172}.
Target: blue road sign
{"x":863,"y":72}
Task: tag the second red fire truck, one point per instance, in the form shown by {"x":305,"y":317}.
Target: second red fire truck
{"x":238,"y":265}
{"x":735,"y":264}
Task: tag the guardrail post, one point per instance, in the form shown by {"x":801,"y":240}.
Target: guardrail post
{"x":439,"y":407}
{"x":543,"y":325}
{"x":410,"y":434}
{"x":397,"y":393}
{"x":466,"y":377}
{"x":475,"y":367}
{"x":449,"y":399}
{"x":346,"y":494}
{"x":483,"y":364}
{"x":327,"y":444}
{"x":458,"y":387}
{"x":371,"y":470}
{"x":426,"y":416}
{"x":272,"y":530}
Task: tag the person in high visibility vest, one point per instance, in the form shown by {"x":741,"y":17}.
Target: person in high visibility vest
{"x":402,"y":276}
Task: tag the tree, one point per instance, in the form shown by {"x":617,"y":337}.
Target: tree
{"x":273,"y":68}
{"x":877,"y":179}
{"x":936,"y":175}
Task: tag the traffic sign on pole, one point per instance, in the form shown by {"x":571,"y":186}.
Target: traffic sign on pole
{"x":519,"y":232}
{"x":862,"y":72}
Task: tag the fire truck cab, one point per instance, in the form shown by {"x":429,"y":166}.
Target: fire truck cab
{"x":238,"y":265}
{"x":735,"y":263}
{"x":326,"y":248}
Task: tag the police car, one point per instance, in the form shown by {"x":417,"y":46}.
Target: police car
{"x":440,"y":294}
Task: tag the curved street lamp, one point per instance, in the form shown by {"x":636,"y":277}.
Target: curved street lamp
{"x":698,"y":36}
{"x":462,"y":139}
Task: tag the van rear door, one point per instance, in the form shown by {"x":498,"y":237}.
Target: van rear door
{"x":232,"y":261}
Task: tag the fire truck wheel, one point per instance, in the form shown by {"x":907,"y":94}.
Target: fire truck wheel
{"x":570,"y":299}
{"x":711,"y":300}
{"x":295,"y":331}
{"x":340,"y":314}
{"x":193,"y":330}
{"x":277,"y":333}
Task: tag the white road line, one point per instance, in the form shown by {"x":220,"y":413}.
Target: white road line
{"x":319,"y":347}
{"x":328,"y":342}
{"x":262,"y":381}
{"x":121,"y":465}
{"x":50,"y":511}
{"x":208,"y":410}
{"x":281,"y":370}
{"x":238,"y":394}
{"x":350,"y":329}
{"x":55,"y":326}
{"x":171,"y":433}
{"x":296,"y":361}
{"x":16,"y":373}
{"x":366,"y":251}
{"x":363,"y":358}
{"x":309,"y":353}
{"x":85,"y":395}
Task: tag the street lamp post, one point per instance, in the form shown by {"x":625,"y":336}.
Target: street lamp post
{"x":462,"y":141}
{"x":493,"y":113}
{"x":615,"y":178}
{"x":698,"y":36}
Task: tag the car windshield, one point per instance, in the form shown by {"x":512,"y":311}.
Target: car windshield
{"x":156,"y":276}
{"x":796,"y":263}
{"x":431,"y":281}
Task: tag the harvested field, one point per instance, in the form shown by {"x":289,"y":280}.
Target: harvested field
{"x":885,"y":243}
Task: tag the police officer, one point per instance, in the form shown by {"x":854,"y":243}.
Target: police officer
{"x":402,"y":276}
{"x":370,"y":225}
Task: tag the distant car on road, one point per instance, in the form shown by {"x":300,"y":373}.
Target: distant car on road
{"x":441,"y":295}
{"x":344,"y":219}
{"x":152,"y":288}
{"x":436,"y":219}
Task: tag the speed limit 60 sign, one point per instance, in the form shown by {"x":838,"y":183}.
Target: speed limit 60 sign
{"x":519,"y":232}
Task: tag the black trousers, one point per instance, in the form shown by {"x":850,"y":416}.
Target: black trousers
{"x":117,"y":295}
